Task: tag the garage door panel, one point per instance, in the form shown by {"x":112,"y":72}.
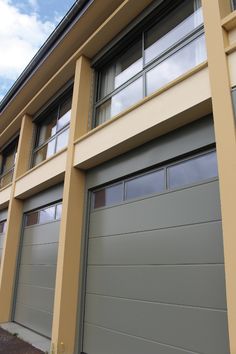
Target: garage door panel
{"x":198,"y":204}
{"x":179,"y":245}
{"x":40,"y":234}
{"x":104,"y":341}
{"x":36,"y":297}
{"x":196,"y":329}
{"x":188,"y":285}
{"x":39,"y":321}
{"x":38,"y":274}
{"x":39,"y":254}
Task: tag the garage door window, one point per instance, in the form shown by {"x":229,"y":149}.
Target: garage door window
{"x":189,"y":171}
{"x":108,"y":196}
{"x":44,"y":215}
{"x":149,"y":183}
{"x":193,"y":170}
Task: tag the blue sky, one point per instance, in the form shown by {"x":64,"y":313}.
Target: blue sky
{"x":24,"y":27}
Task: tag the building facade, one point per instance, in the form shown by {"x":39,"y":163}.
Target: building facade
{"x":117,"y":181}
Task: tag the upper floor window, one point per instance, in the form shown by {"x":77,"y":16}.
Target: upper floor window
{"x":159,"y":54}
{"x":52,"y":130}
{"x":233,"y":2}
{"x":8,"y":159}
{"x":3,"y":226}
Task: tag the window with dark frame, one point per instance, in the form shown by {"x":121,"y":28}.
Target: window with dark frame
{"x":44,"y":215}
{"x":52,"y":129}
{"x":189,"y":171}
{"x":8,"y":159}
{"x":233,"y":2}
{"x":3,"y":226}
{"x":161,"y":53}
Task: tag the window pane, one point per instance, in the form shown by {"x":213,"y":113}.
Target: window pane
{"x":185,"y":59}
{"x":119,"y":102}
{"x":64,"y":114}
{"x":172,"y":28}
{"x":108,"y":196}
{"x":103,"y":112}
{"x":2,"y":227}
{"x":122,"y":69}
{"x":58,"y":211}
{"x":62,"y":140}
{"x":51,"y":146}
{"x":150,"y":183}
{"x":6,"y":179}
{"x":45,"y":152}
{"x":32,"y":219}
{"x":63,"y":120}
{"x":47,"y":128}
{"x":192,"y":171}
{"x":46,"y":215}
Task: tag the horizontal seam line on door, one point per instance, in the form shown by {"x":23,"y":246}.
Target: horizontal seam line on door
{"x":160,"y":303}
{"x":143,"y":338}
{"x":155,"y":265}
{"x":160,"y":228}
{"x":31,"y":307}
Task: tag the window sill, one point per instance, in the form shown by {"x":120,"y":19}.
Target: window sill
{"x":41,"y":164}
{"x":229,"y":22}
{"x":145,"y":99}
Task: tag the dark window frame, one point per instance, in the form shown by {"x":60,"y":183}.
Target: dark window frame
{"x":165,"y":166}
{"x":138,"y":33}
{"x":12,"y":145}
{"x":54,"y":103}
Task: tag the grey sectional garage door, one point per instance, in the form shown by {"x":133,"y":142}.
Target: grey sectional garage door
{"x":3,"y":217}
{"x":37,"y":269}
{"x":155,"y":268}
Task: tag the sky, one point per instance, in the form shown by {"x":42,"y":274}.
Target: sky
{"x":24,"y":27}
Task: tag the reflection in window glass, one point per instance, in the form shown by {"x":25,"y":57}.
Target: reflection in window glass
{"x":176,"y":65}
{"x":47,"y":128}
{"x":108,"y":196}
{"x":2,"y":227}
{"x":58,"y":211}
{"x":192,"y":171}
{"x":47,"y":214}
{"x":123,"y":99}
{"x":32,"y":218}
{"x":51,"y":148}
{"x":172,"y":28}
{"x":6,"y":179}
{"x":122,"y":69}
{"x":150,"y":183}
{"x":62,"y":140}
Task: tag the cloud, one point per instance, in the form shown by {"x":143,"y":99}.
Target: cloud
{"x":34,"y":4}
{"x":21,"y":35}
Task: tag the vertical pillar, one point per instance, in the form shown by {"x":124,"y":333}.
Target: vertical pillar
{"x":14,"y":224}
{"x":216,"y":38}
{"x":68,"y":266}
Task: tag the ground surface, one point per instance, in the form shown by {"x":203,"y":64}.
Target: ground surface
{"x":10,"y":344}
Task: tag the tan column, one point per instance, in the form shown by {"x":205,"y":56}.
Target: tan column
{"x":68,"y":266}
{"x":216,"y":39}
{"x":14,"y":224}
